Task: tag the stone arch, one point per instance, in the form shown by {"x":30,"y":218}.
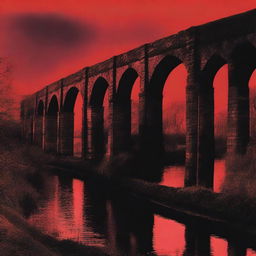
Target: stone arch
{"x":161,"y":73}
{"x":67,"y":122}
{"x":53,"y":107}
{"x":98,"y":92}
{"x":51,"y":125}
{"x":125,"y":85}
{"x":70,"y":99}
{"x":99,"y":134}
{"x":206,"y":116}
{"x":241,"y":66}
{"x":123,"y":110}
{"x":154,"y":105}
{"x":243,"y":59}
{"x":40,"y":108}
{"x":213,"y":65}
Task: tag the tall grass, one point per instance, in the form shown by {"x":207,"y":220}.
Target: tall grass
{"x":20,"y":180}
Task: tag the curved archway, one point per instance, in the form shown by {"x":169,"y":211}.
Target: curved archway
{"x":242,"y":64}
{"x":156,"y":138}
{"x":71,"y":124}
{"x":70,"y":99}
{"x":127,"y":112}
{"x":40,"y":108}
{"x":38,"y":137}
{"x":53,"y":107}
{"x":213,"y":101}
{"x":98,"y":130}
{"x":51,"y":125}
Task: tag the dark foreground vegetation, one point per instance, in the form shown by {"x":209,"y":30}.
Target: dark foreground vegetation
{"x":22,"y":177}
{"x":23,"y":170}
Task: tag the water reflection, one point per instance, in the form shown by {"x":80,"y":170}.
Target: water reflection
{"x":90,"y":213}
{"x":173,"y":176}
{"x":168,"y":236}
{"x":77,"y":146}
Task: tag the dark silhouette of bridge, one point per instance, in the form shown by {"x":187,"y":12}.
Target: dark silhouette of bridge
{"x":48,"y":118}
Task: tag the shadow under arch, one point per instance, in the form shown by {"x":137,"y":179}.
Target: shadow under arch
{"x":241,"y":66}
{"x":99,"y":135}
{"x":40,"y":108}
{"x":67,"y":122}
{"x":51,"y":126}
{"x":70,"y":99}
{"x":123,"y":111}
{"x":153,"y":143}
{"x":206,"y":145}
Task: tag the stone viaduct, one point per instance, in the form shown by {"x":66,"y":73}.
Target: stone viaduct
{"x":48,"y":118}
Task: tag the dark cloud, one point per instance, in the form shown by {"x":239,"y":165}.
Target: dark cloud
{"x":51,"y":29}
{"x":41,"y":44}
{"x":45,"y":46}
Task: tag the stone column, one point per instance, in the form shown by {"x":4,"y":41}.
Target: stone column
{"x":84,"y":130}
{"x":154,"y":127}
{"x":191,"y":133}
{"x":238,"y":111}
{"x":51,"y":128}
{"x":205,"y":155}
{"x":197,"y":241}
{"x":38,"y":135}
{"x":95,"y":128}
{"x":122,"y":127}
{"x":66,"y":136}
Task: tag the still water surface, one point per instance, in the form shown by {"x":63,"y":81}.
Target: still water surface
{"x":82,"y":211}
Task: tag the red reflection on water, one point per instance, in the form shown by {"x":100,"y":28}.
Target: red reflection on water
{"x":250,"y":252}
{"x":219,"y":247}
{"x":168,"y":236}
{"x":62,"y":215}
{"x":174,"y":176}
{"x":78,"y":126}
{"x":78,"y":207}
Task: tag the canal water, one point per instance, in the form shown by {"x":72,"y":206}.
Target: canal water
{"x":84,"y":212}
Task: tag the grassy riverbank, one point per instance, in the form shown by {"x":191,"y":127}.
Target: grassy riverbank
{"x":22,"y":178}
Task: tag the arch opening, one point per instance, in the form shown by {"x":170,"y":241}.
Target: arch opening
{"x":127,"y":111}
{"x":166,"y":107}
{"x":240,"y":71}
{"x":213,"y":112}
{"x":99,"y":116}
{"x":40,"y":108}
{"x":51,"y":126}
{"x":53,"y":107}
{"x":71,"y":124}
{"x":78,"y":119}
{"x":70,"y":100}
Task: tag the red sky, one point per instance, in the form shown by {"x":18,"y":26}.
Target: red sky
{"x":41,"y":54}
